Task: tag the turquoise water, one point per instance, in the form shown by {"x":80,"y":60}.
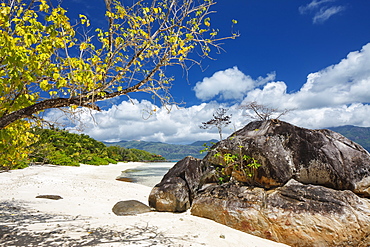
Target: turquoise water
{"x":148,"y":174}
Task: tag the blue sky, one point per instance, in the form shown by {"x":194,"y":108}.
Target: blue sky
{"x":312,"y":56}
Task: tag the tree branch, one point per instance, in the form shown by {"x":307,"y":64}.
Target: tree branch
{"x":27,"y":112}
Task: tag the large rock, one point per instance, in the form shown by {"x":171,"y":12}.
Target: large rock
{"x":294,"y":214}
{"x":308,"y":191}
{"x":176,"y":190}
{"x":320,"y":157}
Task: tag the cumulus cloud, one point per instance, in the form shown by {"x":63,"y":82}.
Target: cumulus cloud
{"x":228,"y":84}
{"x":137,"y":120}
{"x":317,"y":118}
{"x":334,"y":96}
{"x":321,"y":10}
{"x":341,"y":84}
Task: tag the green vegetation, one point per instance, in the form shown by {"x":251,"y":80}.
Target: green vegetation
{"x":14,"y":151}
{"x":59,"y":147}
{"x":242,"y":168}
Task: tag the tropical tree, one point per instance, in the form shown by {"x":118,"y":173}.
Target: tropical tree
{"x":48,"y":62}
{"x":220,"y":120}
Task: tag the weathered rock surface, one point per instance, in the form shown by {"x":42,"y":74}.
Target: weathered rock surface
{"x":130,"y":207}
{"x":320,"y":157}
{"x":176,"y":190}
{"x":51,"y":197}
{"x":308,"y":192}
{"x":294,"y":214}
{"x":171,"y":196}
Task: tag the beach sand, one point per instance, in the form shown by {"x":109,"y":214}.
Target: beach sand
{"x":84,"y":216}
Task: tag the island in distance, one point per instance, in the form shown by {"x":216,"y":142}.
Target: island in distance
{"x":171,"y":152}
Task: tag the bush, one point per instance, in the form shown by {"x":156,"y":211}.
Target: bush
{"x":96,"y":161}
{"x":59,"y":158}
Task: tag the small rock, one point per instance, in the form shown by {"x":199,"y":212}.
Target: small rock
{"x":123,"y":179}
{"x":51,"y":197}
{"x":130,"y":207}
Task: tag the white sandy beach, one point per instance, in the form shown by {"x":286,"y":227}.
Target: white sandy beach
{"x":84,"y":216}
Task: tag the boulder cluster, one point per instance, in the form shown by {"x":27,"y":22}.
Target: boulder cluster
{"x":310,"y":188}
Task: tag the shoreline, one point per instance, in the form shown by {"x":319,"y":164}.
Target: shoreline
{"x":84,"y":215}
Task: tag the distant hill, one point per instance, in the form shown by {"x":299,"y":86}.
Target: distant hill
{"x":360,"y":135}
{"x":173,"y":152}
{"x":201,"y":143}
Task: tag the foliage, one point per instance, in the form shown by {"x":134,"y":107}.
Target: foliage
{"x":243,"y":167}
{"x":14,"y":141}
{"x":60,"y":147}
{"x":233,"y":165}
{"x":48,"y":62}
{"x":132,"y":154}
{"x":220,"y":120}
{"x":262,"y":112}
{"x":140,"y":155}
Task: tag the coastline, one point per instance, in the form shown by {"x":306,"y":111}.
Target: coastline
{"x":84,"y":215}
{"x":148,"y":174}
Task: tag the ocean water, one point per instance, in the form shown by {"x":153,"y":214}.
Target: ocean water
{"x":148,"y":174}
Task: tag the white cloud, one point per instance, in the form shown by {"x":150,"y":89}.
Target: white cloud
{"x":325,"y":13}
{"x":228,"y":84}
{"x":313,"y":5}
{"x":337,"y":95}
{"x":316,"y":118}
{"x":321,"y":10}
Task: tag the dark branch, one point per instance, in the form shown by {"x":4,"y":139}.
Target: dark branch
{"x":28,"y":112}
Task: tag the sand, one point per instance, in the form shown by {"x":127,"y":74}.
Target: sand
{"x":84,"y":216}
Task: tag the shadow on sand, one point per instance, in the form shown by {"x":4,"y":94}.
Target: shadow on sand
{"x":20,"y":226}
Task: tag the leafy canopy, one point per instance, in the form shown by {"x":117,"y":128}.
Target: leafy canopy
{"x":59,"y":147}
{"x":48,"y":62}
